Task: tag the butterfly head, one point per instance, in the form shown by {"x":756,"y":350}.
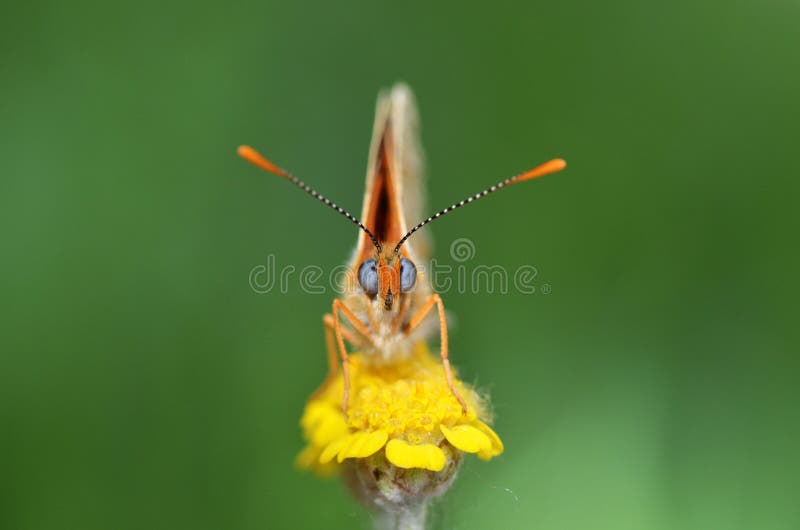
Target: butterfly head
{"x":386,"y":280}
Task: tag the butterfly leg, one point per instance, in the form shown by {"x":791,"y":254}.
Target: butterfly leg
{"x":330,"y":348}
{"x":417,"y":319}
{"x":330,"y":341}
{"x":339,"y":332}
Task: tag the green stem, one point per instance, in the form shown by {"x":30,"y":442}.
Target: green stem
{"x":407,"y":518}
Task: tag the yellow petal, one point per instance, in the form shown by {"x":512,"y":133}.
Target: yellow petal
{"x":307,"y":457}
{"x":405,"y":455}
{"x":362,"y":444}
{"x":329,"y":428}
{"x":332,"y":450}
{"x":467,"y":438}
{"x":496,"y":448}
{"x":313,"y":414}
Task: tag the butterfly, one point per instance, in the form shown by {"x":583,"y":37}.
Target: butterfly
{"x":384,"y":313}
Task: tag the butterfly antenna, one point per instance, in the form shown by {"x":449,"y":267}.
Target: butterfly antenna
{"x":255,"y":158}
{"x":551,"y":166}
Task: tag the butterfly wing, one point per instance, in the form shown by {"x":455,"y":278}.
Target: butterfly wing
{"x":394,"y":190}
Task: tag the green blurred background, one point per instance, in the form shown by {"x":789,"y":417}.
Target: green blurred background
{"x":144,"y":385}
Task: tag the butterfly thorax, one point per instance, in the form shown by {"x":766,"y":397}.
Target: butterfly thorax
{"x":389,"y":340}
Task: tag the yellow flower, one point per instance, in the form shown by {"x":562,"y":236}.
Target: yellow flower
{"x":405,"y":408}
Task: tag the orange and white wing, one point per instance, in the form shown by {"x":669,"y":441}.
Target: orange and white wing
{"x":394,"y":192}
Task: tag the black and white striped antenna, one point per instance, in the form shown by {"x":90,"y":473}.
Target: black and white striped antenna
{"x":551,"y":166}
{"x":255,"y":158}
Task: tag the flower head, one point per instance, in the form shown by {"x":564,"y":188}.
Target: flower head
{"x":403,"y":412}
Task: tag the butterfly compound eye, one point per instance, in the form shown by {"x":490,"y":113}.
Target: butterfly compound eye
{"x":408,"y":275}
{"x":368,"y":277}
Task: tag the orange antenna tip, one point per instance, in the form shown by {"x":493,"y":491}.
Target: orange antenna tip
{"x":255,"y":158}
{"x":552,"y":166}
